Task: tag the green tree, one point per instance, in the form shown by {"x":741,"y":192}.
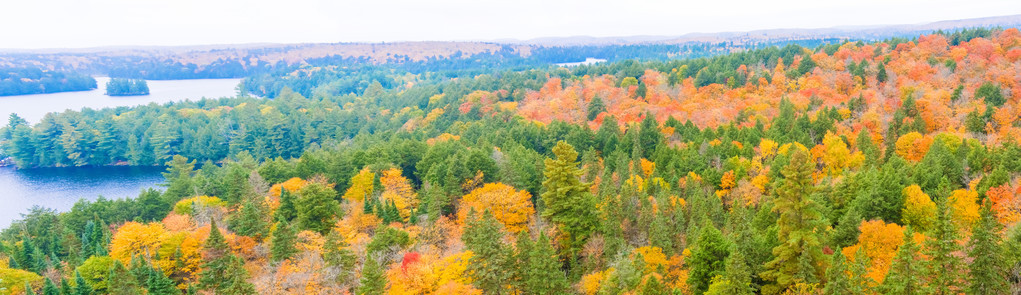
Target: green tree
{"x":120,"y":281}
{"x":566,"y":200}
{"x":49,"y":288}
{"x":235,"y":278}
{"x":991,"y":93}
{"x":595,"y":107}
{"x":158,"y":283}
{"x":944,"y":265}
{"x":250,"y":220}
{"x":317,"y":207}
{"x":906,"y":272}
{"x":797,"y":259}
{"x":540,"y":268}
{"x":707,"y":258}
{"x":373,"y":279}
{"x":490,"y":265}
{"x":837,"y":282}
{"x":216,"y":258}
{"x":282,"y":244}
{"x":287,"y":210}
{"x":736,"y":278}
{"x":80,"y":286}
{"x":987,"y":271}
{"x":881,"y":73}
{"x":336,"y":254}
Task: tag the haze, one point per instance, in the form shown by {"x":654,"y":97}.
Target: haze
{"x":92,"y":23}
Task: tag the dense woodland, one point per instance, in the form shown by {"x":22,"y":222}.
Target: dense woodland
{"x":30,"y":80}
{"x":126,"y":87}
{"x":849,"y":168}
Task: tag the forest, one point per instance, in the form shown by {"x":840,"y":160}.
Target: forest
{"x":31,"y":80}
{"x":126,"y":87}
{"x":844,"y":168}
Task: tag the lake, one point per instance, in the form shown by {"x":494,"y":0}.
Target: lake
{"x":60,"y":188}
{"x":34,"y":106}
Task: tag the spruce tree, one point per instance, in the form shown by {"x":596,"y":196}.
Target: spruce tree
{"x":944,"y":267}
{"x":120,"y":282}
{"x":235,"y":278}
{"x":216,"y":256}
{"x":282,"y":247}
{"x":987,"y":270}
{"x":861,"y":282}
{"x":287,"y":210}
{"x":28,"y":288}
{"x":798,"y":259}
{"x":336,"y":254}
{"x":541,"y":273}
{"x":251,"y":219}
{"x":158,"y":283}
{"x":736,"y":278}
{"x":80,"y":286}
{"x":881,"y":74}
{"x":373,"y":279}
{"x":490,"y":265}
{"x":837,"y":282}
{"x":906,"y":273}
{"x":707,"y":258}
{"x":317,"y":207}
{"x":49,"y":288}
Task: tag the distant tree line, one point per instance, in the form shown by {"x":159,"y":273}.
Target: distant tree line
{"x":29,"y":80}
{"x":126,"y":87}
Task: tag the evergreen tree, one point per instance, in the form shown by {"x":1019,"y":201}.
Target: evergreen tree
{"x":216,"y":258}
{"x":336,"y":254}
{"x":881,"y":73}
{"x":120,"y":282}
{"x":906,"y":273}
{"x":837,"y":282}
{"x":28,"y":288}
{"x":250,"y":219}
{"x":490,"y":264}
{"x":541,"y":271}
{"x":798,"y":259}
{"x":287,"y":210}
{"x":317,"y":207}
{"x":861,"y":282}
{"x":282,"y":247}
{"x":566,"y":200}
{"x":944,"y":265}
{"x":158,"y":283}
{"x":235,"y":278}
{"x":595,"y":107}
{"x":987,"y":271}
{"x":373,"y":279}
{"x":49,"y":288}
{"x":80,"y":286}
{"x":736,"y":278}
{"x":707,"y":258}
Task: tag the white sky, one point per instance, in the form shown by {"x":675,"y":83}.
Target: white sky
{"x":90,"y":23}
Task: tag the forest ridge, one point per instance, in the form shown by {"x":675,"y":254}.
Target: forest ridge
{"x":848,"y":168}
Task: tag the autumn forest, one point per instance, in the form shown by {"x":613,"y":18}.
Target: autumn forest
{"x":850,"y":167}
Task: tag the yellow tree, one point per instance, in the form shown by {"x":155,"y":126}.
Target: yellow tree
{"x":511,"y":207}
{"x":919,"y":210}
{"x":397,"y":189}
{"x":135,"y":239}
{"x":913,"y":146}
{"x":837,"y":156}
{"x":879,"y":241}
{"x":361,"y":186}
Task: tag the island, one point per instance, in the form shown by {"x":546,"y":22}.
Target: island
{"x":126,"y":87}
{"x":30,"y":80}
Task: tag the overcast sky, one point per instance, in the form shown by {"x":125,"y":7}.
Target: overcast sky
{"x":90,"y":23}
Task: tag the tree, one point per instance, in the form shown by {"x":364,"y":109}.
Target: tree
{"x":736,"y":278}
{"x":287,"y":210}
{"x":361,"y":186}
{"x":49,"y":288}
{"x":944,"y":265}
{"x":707,"y":258}
{"x":881,"y":73}
{"x":157,"y":283}
{"x":987,"y":271}
{"x":511,"y":207}
{"x":919,"y":209}
{"x":216,"y":254}
{"x":539,"y":267}
{"x":490,"y":262}
{"x":80,"y":286}
{"x":317,"y":207}
{"x":567,"y":201}
{"x":837,"y":282}
{"x":120,"y":282}
{"x":595,"y":107}
{"x":797,"y":225}
{"x":236,"y":278}
{"x":250,"y":220}
{"x":906,"y":271}
{"x":282,"y":244}
{"x":991,"y":93}
{"x":373,"y":279}
{"x":397,"y":189}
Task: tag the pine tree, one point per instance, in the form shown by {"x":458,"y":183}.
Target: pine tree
{"x":317,"y":207}
{"x":120,"y":282}
{"x":235,"y":278}
{"x":28,"y":288}
{"x":861,"y":282}
{"x":881,"y":75}
{"x":336,"y":254}
{"x":837,"y":282}
{"x":566,"y":200}
{"x":801,"y":254}
{"x":373,"y":279}
{"x":541,"y":273}
{"x":158,"y":283}
{"x":944,"y":264}
{"x":988,"y":273}
{"x":490,"y":264}
{"x":282,"y":247}
{"x":906,"y":273}
{"x":251,"y":219}
{"x":80,"y":286}
{"x":216,"y":256}
{"x":707,"y":258}
{"x":736,"y":278}
{"x":65,"y":287}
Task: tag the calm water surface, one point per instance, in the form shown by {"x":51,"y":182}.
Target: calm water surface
{"x":60,"y":188}
{"x":33,"y":107}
